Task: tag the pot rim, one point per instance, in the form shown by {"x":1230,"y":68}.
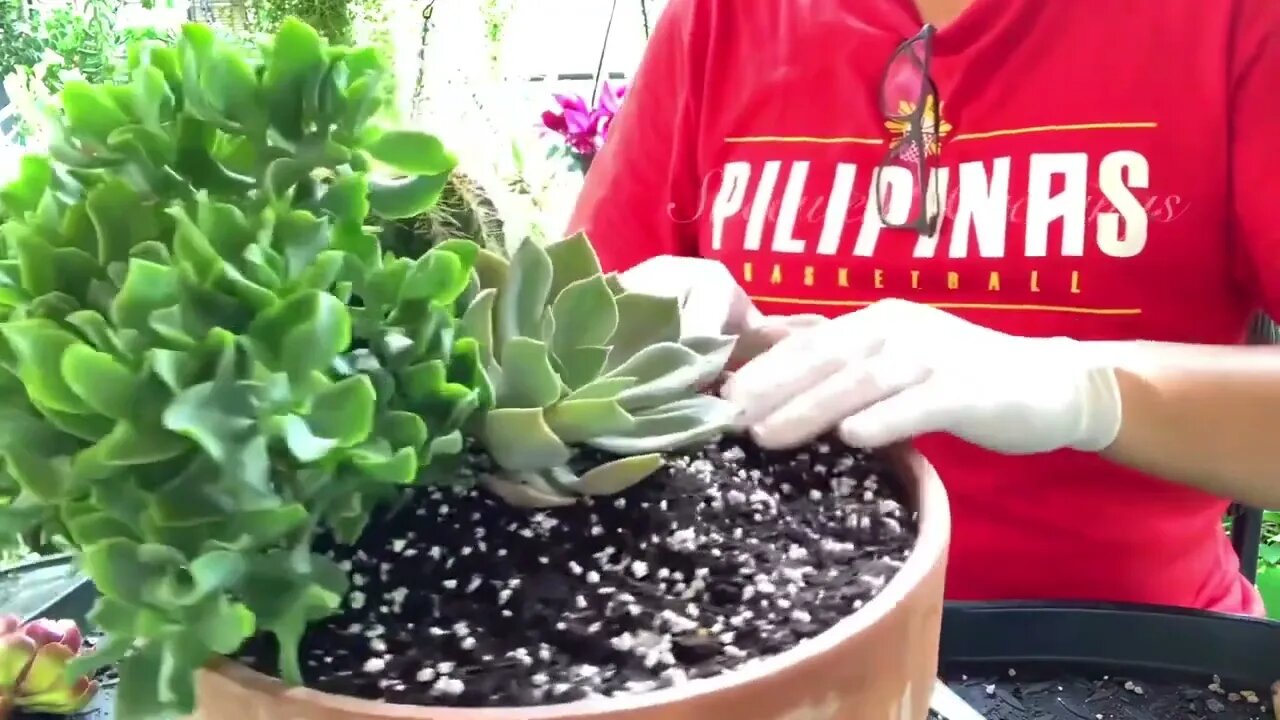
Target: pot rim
{"x":931,"y":547}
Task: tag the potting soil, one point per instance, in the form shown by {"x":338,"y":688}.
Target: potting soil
{"x":724,"y":556}
{"x":1044,"y":695}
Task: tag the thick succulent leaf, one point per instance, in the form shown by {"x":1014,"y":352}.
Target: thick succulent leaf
{"x":601,"y":389}
{"x":477,"y":322}
{"x":492,"y":270}
{"x":103,"y":383}
{"x":547,"y":327}
{"x":528,"y":380}
{"x":39,"y":345}
{"x":303,"y":442}
{"x":677,"y":425}
{"x":466,"y":251}
{"x":526,"y":490}
{"x":305,"y":332}
{"x":664,"y":372}
{"x":414,"y":152}
{"x":405,"y":197}
{"x":713,"y":355}
{"x":585,"y":314}
{"x":572,"y":259}
{"x":293,"y":76}
{"x":711,"y":344}
{"x":523,"y":299}
{"x":16,"y":651}
{"x":439,"y":276}
{"x":643,"y":320}
{"x":580,"y":366}
{"x":47,"y":671}
{"x":618,"y":475}
{"x":520,"y":439}
{"x":579,"y":420}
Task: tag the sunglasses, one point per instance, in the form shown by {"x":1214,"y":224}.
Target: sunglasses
{"x":909,"y":100}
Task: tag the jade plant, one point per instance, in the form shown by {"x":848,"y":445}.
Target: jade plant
{"x":34,"y":659}
{"x":206,"y":358}
{"x":575,"y":361}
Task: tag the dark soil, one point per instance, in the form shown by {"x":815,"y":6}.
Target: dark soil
{"x":725,"y":556}
{"x":1042,"y":695}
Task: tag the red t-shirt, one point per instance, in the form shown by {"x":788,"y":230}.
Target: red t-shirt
{"x":1108,"y":176}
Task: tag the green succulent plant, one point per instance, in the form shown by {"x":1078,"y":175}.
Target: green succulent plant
{"x":33,"y":667}
{"x":576,"y":361}
{"x":206,"y":358}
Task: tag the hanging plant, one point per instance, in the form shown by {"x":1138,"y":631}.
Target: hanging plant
{"x":333,"y":19}
{"x":465,"y":211}
{"x":582,"y":126}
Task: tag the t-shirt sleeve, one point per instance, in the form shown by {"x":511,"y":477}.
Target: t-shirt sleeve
{"x":1253,"y":131}
{"x":641,"y":193}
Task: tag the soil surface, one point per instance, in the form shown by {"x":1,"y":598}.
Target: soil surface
{"x":1041,"y":695}
{"x":724,"y":556}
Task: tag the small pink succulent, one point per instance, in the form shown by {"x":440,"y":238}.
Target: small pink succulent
{"x":33,"y":664}
{"x":583,"y":129}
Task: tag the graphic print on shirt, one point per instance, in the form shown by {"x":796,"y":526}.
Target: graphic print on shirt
{"x":797,"y":219}
{"x":933,"y":127}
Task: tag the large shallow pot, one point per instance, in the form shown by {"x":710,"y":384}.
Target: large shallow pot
{"x":877,"y":664}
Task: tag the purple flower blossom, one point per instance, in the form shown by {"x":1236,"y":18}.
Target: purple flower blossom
{"x":583,"y":129}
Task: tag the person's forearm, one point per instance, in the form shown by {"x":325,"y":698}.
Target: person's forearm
{"x":1205,"y":416}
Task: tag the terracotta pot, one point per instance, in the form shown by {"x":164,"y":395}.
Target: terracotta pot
{"x":877,"y":664}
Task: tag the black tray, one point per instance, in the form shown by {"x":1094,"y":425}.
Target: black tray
{"x":1082,"y":661}
{"x":46,"y":587}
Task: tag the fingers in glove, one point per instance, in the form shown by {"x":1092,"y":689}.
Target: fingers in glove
{"x":795,"y":364}
{"x":852,"y":337}
{"x":801,"y":360}
{"x":848,"y":391}
{"x":712,"y":308}
{"x":916,"y":410}
{"x":765,"y":332}
{"x":715,"y":304}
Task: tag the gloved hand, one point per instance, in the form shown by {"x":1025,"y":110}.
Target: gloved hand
{"x":897,"y":369}
{"x":712,"y":303}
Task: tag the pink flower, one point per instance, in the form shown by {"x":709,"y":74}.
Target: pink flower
{"x":582,"y":128}
{"x":610,"y":103}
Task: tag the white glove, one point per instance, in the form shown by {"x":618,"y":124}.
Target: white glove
{"x":896,"y":370}
{"x":711,"y":301}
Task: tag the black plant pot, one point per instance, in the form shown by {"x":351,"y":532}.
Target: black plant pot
{"x":1083,"y":661}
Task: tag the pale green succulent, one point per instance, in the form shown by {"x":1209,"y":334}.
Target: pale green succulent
{"x":575,"y":360}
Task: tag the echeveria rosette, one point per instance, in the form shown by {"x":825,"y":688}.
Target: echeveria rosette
{"x":577,"y":361}
{"x":205,"y":355}
{"x":34,"y":659}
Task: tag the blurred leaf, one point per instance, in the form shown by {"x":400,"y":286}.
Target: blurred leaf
{"x":412,"y":152}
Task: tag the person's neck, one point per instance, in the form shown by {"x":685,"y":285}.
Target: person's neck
{"x":940,"y":13}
